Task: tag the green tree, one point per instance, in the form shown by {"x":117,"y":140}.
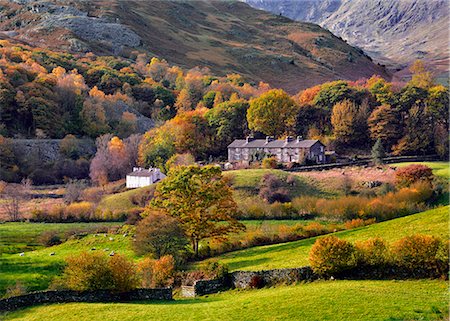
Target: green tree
{"x":229,"y":122}
{"x":378,"y":152}
{"x":273,"y":113}
{"x":200,"y":199}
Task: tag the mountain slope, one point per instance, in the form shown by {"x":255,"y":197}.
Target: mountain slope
{"x":393,"y":32}
{"x":224,"y":36}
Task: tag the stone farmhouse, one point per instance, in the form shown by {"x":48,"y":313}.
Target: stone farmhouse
{"x":287,"y":150}
{"x":141,"y":177}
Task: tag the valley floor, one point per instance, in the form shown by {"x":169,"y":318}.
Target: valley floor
{"x":321,"y":300}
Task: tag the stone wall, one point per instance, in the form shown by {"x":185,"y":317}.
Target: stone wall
{"x":244,"y":279}
{"x":247,"y":279}
{"x":34,"y":298}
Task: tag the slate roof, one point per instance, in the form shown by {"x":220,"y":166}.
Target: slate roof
{"x":262,"y":143}
{"x":142,"y":173}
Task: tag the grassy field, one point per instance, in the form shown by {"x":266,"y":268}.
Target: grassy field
{"x":246,"y":183}
{"x":441,"y":169}
{"x":37,"y":267}
{"x":121,"y":201}
{"x":22,"y":237}
{"x":295,"y":254}
{"x":322,"y":300}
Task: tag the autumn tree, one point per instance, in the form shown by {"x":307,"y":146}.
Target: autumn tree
{"x":349,"y":122}
{"x":421,"y":77}
{"x":200,"y":199}
{"x":418,"y":135}
{"x":158,"y":235}
{"x":273,"y":113}
{"x":385,"y":124}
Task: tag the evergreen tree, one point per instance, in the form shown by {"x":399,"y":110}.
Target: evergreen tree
{"x":378,"y":152}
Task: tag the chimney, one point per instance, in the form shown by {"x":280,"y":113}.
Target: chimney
{"x":269,"y":139}
{"x":299,"y":139}
{"x":249,"y":139}
{"x":289,"y":139}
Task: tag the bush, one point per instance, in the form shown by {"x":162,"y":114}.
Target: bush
{"x":142,"y":197}
{"x":417,"y":252}
{"x":330,"y":255}
{"x":88,"y":271}
{"x":96,"y":271}
{"x":272,"y":189}
{"x":270,"y":163}
{"x":214,"y":269}
{"x":373,"y":252}
{"x":50,"y":238}
{"x":160,"y":235}
{"x":123,"y":273}
{"x":408,"y":175}
{"x":15,"y":290}
{"x":157,"y":273}
{"x":82,"y":211}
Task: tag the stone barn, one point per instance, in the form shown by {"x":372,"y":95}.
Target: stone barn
{"x":141,"y":177}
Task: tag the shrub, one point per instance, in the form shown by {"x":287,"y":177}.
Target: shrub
{"x":88,"y":271}
{"x":269,"y":163}
{"x":50,"y":238}
{"x":123,"y":273}
{"x":408,"y":175}
{"x":330,"y":255}
{"x":442,"y":257}
{"x":159,"y":235}
{"x":358,"y":222}
{"x":373,"y":251}
{"x":272,"y":189}
{"x":142,"y":197}
{"x":95,"y":271}
{"x":15,"y":290}
{"x":417,"y":251}
{"x":82,"y":211}
{"x":214,"y":269}
{"x":157,"y":273}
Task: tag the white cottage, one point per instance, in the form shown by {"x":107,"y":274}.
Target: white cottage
{"x":141,"y":177}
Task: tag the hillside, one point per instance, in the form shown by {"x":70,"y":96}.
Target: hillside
{"x":295,"y":254}
{"x":336,"y":300}
{"x":390,"y":31}
{"x":226,"y":36}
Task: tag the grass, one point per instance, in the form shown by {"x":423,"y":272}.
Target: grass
{"x":23,"y":237}
{"x":441,"y":169}
{"x":322,"y":300}
{"x":246,"y":183}
{"x":37,"y":268}
{"x":121,"y":201}
{"x":295,"y":254}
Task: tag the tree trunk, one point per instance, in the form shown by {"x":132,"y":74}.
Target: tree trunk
{"x":195,"y":245}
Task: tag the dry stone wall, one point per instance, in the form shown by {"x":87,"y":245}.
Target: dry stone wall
{"x":34,"y":298}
